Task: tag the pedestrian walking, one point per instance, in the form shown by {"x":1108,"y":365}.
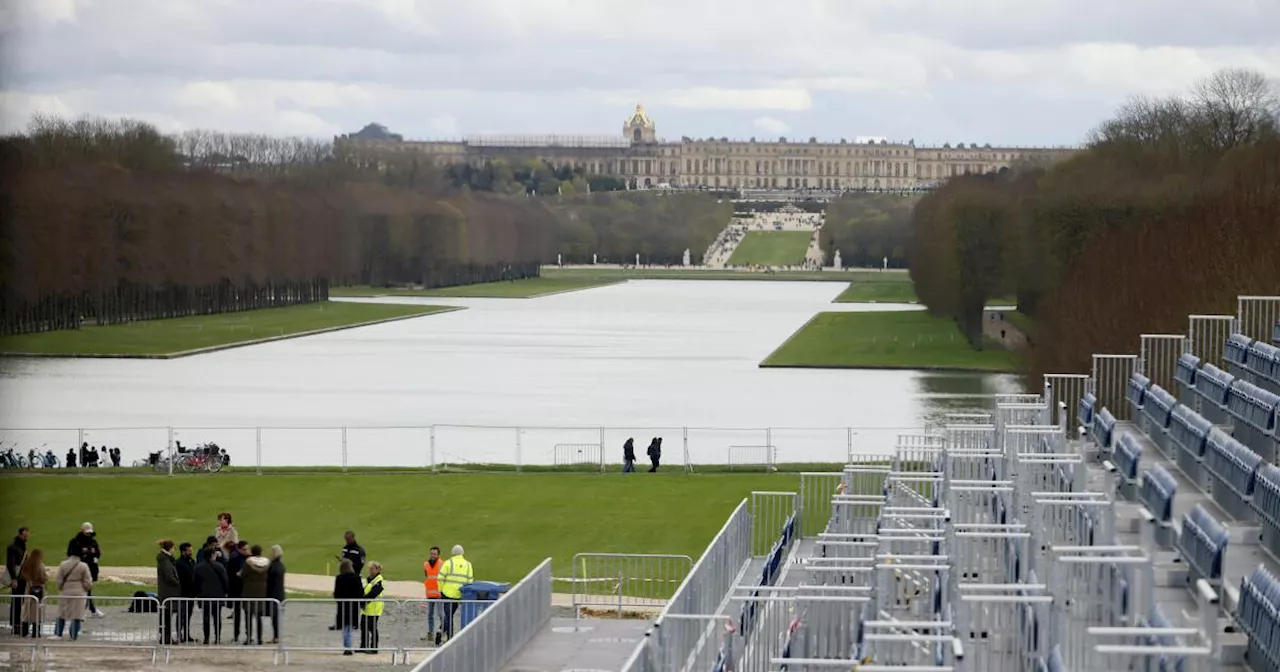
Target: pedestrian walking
{"x":35,"y":576}
{"x":629,"y":456}
{"x":74,"y":583}
{"x":85,"y":545}
{"x":372,"y":609}
{"x":348,"y":593}
{"x":168,"y":586}
{"x":655,"y":454}
{"x":454,"y":574}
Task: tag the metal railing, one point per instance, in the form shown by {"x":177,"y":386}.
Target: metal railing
{"x":1207,"y":334}
{"x":1158,"y":355}
{"x":621,"y":581}
{"x":1257,"y":315}
{"x":1110,"y":380}
{"x":499,"y":632}
{"x":443,"y":447}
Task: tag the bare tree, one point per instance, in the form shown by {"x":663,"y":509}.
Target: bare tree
{"x":1235,"y":106}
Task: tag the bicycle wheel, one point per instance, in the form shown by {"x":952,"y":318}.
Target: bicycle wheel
{"x":214,"y":464}
{"x":23,"y":462}
{"x":184,"y":464}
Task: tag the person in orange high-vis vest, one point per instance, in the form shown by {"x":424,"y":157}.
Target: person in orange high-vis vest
{"x":431,"y":569}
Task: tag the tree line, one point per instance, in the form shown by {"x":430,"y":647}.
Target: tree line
{"x":1173,"y":209}
{"x":111,"y":220}
{"x":867,"y":228}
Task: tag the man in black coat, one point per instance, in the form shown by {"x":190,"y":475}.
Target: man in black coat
{"x":85,"y":546}
{"x":275,"y":589}
{"x":13,"y":557}
{"x":235,"y":563}
{"x":629,"y":456}
{"x":355,"y":553}
{"x":187,"y":581}
{"x":212,"y":585}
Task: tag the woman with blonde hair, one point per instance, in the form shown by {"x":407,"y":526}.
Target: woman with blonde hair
{"x":34,"y":574}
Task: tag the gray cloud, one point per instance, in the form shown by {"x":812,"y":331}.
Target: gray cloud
{"x":1003,"y":71}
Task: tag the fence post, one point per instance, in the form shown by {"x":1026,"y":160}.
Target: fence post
{"x":344,"y":450}
{"x":687,"y":466}
{"x":257,"y":440}
{"x":432,"y":457}
{"x":519,"y":451}
{"x":768,"y":442}
{"x":848,"y":437}
{"x":602,"y":449}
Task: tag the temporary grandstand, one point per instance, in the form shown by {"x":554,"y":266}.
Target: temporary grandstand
{"x":1123,"y":519}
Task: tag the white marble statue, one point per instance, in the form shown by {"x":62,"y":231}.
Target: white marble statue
{"x":593,"y":259}
{"x":836,"y":263}
{"x":637,"y":259}
{"x":686,"y":257}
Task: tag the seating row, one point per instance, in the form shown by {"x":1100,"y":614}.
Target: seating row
{"x":1203,"y":543}
{"x":1252,"y":411}
{"x":1256,"y":361}
{"x":1259,"y":617}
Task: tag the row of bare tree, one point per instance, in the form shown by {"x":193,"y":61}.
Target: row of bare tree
{"x":1174,"y":209}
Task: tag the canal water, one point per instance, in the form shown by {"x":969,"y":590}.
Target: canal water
{"x":504,"y":381}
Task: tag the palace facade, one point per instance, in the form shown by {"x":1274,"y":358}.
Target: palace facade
{"x":644,"y":161}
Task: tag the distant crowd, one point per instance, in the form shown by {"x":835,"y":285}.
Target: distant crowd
{"x":225,"y":572}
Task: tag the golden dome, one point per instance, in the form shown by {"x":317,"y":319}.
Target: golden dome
{"x":640,"y":118}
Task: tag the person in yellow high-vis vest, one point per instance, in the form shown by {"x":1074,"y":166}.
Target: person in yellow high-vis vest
{"x":454,"y":574}
{"x":371,"y":610}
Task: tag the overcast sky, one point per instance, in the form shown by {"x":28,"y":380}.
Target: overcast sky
{"x":1032,"y":72}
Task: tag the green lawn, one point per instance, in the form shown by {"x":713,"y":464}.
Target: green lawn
{"x":879,"y":288}
{"x":906,"y":340}
{"x":171,"y":336}
{"x":507,"y":522}
{"x":516,"y":289}
{"x":614,"y":274}
{"x":771,"y":248}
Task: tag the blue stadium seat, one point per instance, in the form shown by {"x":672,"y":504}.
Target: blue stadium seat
{"x":1235,"y":469}
{"x":1126,"y":457}
{"x":1185,"y":371}
{"x":1254,"y":410}
{"x":1104,"y":426}
{"x":1188,"y":431}
{"x":1136,"y":392}
{"x":1088,"y":405}
{"x":1264,"y":361}
{"x":1266,"y":494}
{"x":1237,"y":350}
{"x":1054,"y":662}
{"x":1156,"y":495}
{"x":1163,"y":663}
{"x":1203,"y":543}
{"x":1156,"y":413}
{"x":1259,"y":617}
{"x":1213,"y":385}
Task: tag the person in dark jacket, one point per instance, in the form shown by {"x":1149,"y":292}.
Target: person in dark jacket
{"x":236,"y":555}
{"x":275,"y":589}
{"x":13,"y":557}
{"x":629,"y":456}
{"x":655,"y":453}
{"x":212,"y":584}
{"x":168,"y":586}
{"x":355,"y":553}
{"x":253,"y":582}
{"x":349,"y":592}
{"x":186,"y":565}
{"x":71,"y":458}
{"x":85,"y":546}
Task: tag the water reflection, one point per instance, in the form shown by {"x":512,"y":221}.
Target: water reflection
{"x":642,"y":359}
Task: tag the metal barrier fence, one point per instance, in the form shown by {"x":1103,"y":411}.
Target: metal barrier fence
{"x":579,"y":454}
{"x":762,"y":457}
{"x":21,"y":604}
{"x":452,"y":447}
{"x":1110,"y":380}
{"x":1159,"y":355}
{"x":681,"y":633}
{"x":1257,"y":316}
{"x":622,"y":580}
{"x":500,"y":631}
{"x":1066,"y":388}
{"x":769,"y":514}
{"x":1207,"y":334}
{"x":134,"y":623}
{"x":816,"y":490}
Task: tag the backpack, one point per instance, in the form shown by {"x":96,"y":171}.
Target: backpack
{"x":143,"y":603}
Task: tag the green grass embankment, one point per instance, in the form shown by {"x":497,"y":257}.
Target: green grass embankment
{"x":177,"y":336}
{"x":771,"y":248}
{"x":528,"y":288}
{"x":885,"y":340}
{"x":508,"y":523}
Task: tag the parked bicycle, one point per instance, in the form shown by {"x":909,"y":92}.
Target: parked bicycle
{"x":11,"y":460}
